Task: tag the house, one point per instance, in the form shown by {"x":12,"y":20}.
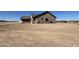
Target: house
{"x":45,"y":17}
{"x":25,"y":19}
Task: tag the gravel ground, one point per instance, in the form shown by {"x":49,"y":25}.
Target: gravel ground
{"x":39,"y":35}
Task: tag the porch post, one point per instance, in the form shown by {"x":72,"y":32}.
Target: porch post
{"x":36,"y":21}
{"x":31,"y":20}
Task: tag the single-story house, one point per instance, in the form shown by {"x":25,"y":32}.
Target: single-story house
{"x":45,"y":17}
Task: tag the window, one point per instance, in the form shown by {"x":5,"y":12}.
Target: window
{"x":42,"y":18}
{"x":39,"y":22}
{"x":50,"y":21}
{"x":46,"y":19}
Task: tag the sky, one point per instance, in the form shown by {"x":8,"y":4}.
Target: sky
{"x":61,"y":15}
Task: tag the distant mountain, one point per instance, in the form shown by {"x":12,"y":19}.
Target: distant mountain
{"x":7,"y":21}
{"x":3,"y":21}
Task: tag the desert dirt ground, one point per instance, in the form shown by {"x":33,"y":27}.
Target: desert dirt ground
{"x":39,"y":35}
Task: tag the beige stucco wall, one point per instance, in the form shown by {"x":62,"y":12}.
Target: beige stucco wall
{"x":50,"y":18}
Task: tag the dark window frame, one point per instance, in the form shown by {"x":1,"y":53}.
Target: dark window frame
{"x":51,"y":21}
{"x":46,"y":19}
{"x":42,"y":18}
